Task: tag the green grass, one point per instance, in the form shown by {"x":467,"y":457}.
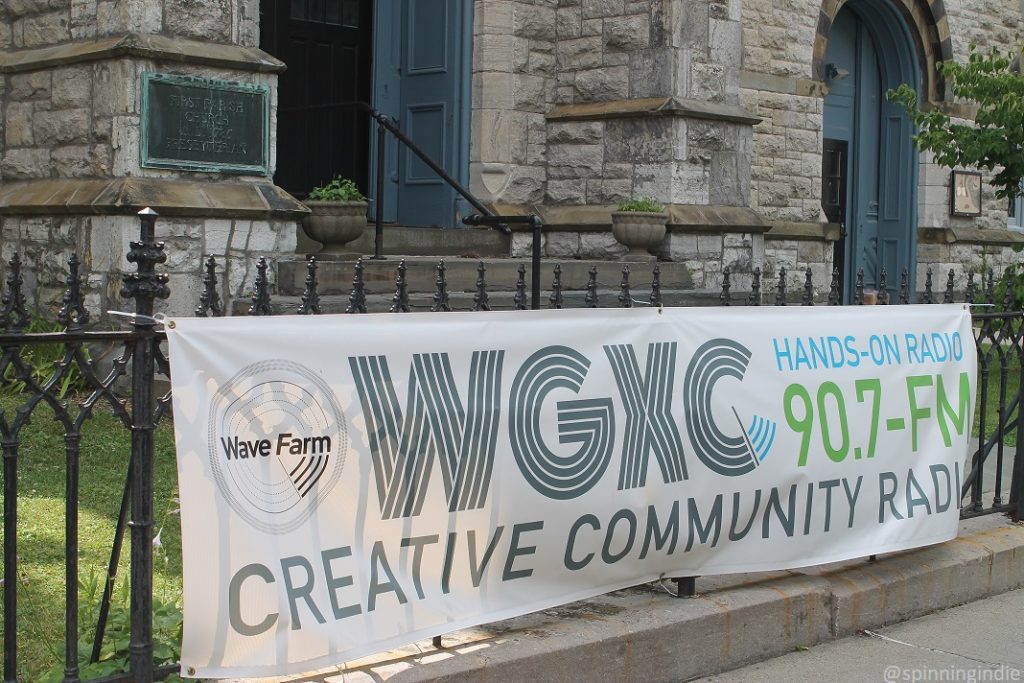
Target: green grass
{"x":41,"y":495}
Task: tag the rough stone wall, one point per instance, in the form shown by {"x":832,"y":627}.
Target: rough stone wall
{"x":38,"y":23}
{"x":778,"y":43}
{"x":533,"y":55}
{"x":513,"y":87}
{"x":82,"y":120}
{"x":102,"y":242}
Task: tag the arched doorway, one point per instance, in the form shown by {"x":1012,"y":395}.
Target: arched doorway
{"x":869,"y":163}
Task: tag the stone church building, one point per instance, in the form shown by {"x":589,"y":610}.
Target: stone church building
{"x":762,"y":125}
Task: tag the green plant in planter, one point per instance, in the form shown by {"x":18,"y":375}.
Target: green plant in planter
{"x":642,"y":204}
{"x":640,"y":225}
{"x":338,"y":190}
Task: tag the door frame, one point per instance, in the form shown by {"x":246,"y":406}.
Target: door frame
{"x":898,"y":63}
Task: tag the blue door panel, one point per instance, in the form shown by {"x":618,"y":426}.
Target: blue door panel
{"x":421,"y":81}
{"x":427,"y":125}
{"x":880,"y":200}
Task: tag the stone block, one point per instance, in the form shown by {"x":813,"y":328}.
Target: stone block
{"x":114,"y":88}
{"x":6,"y":36}
{"x":541,"y":63}
{"x":600,"y":245}
{"x":810,"y":252}
{"x":612,"y":170}
{"x":645,"y":140}
{"x":568,"y":22}
{"x":522,"y":244}
{"x":587,"y":132}
{"x":18,"y":128}
{"x":525,"y":186}
{"x":598,"y":85}
{"x":689,"y":184}
{"x":71,"y":87}
{"x":46,"y":29}
{"x":125,"y":145}
{"x":30,"y":86}
{"x":566,"y":191}
{"x":494,"y":17}
{"x":83,"y":19}
{"x":578,"y":53}
{"x":67,"y":126}
{"x":608,"y":191}
{"x":707,"y":82}
{"x":725,"y":42}
{"x":495,"y":54}
{"x":602,"y":8}
{"x":563,"y":245}
{"x":25,"y":163}
{"x":577,"y":156}
{"x":591,"y":27}
{"x":627,"y":33}
{"x":77,"y":161}
{"x":493,"y":90}
{"x":650,"y":73}
{"x":534,"y":22}
{"x":205,"y":19}
{"x":802,"y":141}
{"x":501,"y":135}
{"x":529,"y":93}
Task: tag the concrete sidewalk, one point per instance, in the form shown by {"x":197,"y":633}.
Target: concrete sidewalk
{"x":644,"y":634}
{"x":980,"y":641}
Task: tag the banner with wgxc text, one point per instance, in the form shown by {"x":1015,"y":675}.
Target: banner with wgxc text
{"x":353,"y":483}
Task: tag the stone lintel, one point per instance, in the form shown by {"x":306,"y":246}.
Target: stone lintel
{"x":202,"y":199}
{"x":958,"y":235}
{"x":143,"y":46}
{"x":652,"y":106}
{"x":598,"y":218}
{"x":786,"y":85}
{"x":793,"y":230}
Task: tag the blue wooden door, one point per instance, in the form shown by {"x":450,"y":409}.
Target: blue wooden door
{"x":862,"y":64}
{"x":421,"y":80}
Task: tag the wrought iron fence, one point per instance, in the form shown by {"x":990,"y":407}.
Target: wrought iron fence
{"x":126,"y":387}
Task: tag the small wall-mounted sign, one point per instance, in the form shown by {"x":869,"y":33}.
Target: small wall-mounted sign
{"x":201,"y":124}
{"x":965,"y":193}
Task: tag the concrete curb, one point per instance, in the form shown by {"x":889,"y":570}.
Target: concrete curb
{"x":641,"y":634}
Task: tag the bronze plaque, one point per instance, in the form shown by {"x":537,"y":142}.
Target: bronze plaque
{"x":201,"y":124}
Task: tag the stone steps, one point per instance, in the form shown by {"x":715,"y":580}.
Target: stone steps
{"x":463,"y":241}
{"x":335,"y":275}
{"x":498,"y":301}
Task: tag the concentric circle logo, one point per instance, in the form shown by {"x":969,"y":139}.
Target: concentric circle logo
{"x":277,"y":443}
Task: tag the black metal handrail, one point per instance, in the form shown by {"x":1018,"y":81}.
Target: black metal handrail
{"x":386,"y":125}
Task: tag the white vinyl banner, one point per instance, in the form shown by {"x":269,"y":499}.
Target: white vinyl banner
{"x":353,"y":483}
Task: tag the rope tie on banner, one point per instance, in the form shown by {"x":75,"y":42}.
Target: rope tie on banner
{"x":134,"y":318}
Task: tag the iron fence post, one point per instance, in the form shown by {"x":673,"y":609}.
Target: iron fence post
{"x":10,"y":458}
{"x":145,"y":285}
{"x":537,"y":225}
{"x":1017,"y":477}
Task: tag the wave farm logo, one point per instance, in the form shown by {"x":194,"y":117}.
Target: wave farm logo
{"x":277,"y":443}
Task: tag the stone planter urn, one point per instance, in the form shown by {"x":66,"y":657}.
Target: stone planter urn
{"x":335,"y":224}
{"x":639,"y":230}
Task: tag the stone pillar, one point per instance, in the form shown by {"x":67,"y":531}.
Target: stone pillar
{"x":70,"y":167}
